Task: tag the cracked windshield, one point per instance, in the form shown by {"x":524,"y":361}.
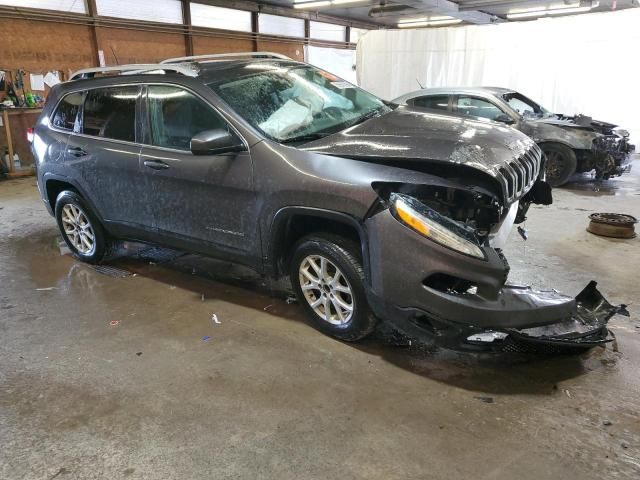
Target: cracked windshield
{"x":295,"y":104}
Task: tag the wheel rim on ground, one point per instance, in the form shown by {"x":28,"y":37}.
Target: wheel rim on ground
{"x":326,"y":289}
{"x":78,"y":229}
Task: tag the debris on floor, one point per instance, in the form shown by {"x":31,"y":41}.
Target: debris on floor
{"x":206,"y":338}
{"x":485,"y":399}
{"x":523,"y":232}
{"x":291,"y":299}
{"x":47,"y":289}
{"x":114,"y":323}
{"x":214,"y":319}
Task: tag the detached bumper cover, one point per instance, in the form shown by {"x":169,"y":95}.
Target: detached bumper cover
{"x":587,"y":327}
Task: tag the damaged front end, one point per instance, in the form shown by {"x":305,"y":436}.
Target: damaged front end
{"x":453,"y":290}
{"x":599,"y":146}
{"x":611,"y":154}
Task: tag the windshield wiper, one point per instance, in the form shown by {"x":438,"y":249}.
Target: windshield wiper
{"x":335,"y":129}
{"x":304,"y":138}
{"x":373,"y":113}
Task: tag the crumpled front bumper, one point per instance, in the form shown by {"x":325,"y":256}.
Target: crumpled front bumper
{"x":492,"y":315}
{"x":585,"y":328}
{"x":613,"y":155}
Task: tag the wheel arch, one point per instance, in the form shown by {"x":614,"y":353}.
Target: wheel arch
{"x":54,"y":184}
{"x":292,"y":223}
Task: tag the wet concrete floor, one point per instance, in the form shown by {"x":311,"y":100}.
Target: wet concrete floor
{"x":129,"y":377}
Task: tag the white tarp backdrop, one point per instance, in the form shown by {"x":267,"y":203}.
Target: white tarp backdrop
{"x":579,"y":64}
{"x":338,"y":61}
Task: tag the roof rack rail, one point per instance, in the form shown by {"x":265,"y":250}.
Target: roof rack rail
{"x":132,"y":69}
{"x":224,"y":56}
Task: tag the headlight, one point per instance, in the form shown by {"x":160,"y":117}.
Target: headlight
{"x":434,"y":226}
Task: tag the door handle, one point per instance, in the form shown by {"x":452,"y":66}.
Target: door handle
{"x":156,"y":164}
{"x":76,"y":152}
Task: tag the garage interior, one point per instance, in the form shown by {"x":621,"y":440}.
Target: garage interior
{"x":161,"y":363}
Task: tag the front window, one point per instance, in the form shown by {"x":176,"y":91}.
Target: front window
{"x":296,"y":103}
{"x":176,"y":116}
{"x":523,"y":105}
{"x":477,"y":107}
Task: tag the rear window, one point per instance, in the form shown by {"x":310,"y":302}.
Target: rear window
{"x":437,"y":102}
{"x":66,"y":114}
{"x":111,"y":113}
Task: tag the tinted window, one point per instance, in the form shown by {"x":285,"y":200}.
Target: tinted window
{"x":477,"y":107}
{"x":438,"y":102}
{"x":66,"y":114}
{"x":111,"y":113}
{"x":177,"y":115}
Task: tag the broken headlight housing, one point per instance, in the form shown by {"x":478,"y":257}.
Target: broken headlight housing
{"x":430,"y":224}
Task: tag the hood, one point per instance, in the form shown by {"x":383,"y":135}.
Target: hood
{"x":582,"y":122}
{"x":411,"y":135}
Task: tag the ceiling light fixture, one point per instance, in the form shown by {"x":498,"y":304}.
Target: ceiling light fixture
{"x":321,"y":3}
{"x":429,"y":23}
{"x":551,"y":10}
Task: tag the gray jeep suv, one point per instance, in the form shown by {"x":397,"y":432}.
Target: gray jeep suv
{"x":374,"y":211}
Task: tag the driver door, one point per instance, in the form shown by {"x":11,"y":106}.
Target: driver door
{"x":202,"y":203}
{"x":473,"y":106}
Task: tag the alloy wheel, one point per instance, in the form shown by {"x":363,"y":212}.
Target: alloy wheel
{"x":326,"y":289}
{"x":78,"y":229}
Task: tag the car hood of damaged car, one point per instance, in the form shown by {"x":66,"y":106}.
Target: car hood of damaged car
{"x":407,"y":134}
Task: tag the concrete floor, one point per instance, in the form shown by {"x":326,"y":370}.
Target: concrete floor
{"x":266,"y":396}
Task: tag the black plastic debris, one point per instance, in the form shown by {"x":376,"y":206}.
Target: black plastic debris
{"x":485,"y":399}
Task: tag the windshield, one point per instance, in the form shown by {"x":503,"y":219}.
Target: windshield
{"x":524,"y":106}
{"x":296,"y":103}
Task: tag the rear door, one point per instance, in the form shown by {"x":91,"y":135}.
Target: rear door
{"x":107,"y":156}
{"x":205,"y":201}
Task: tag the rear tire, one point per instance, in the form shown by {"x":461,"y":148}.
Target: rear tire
{"x":80,"y":228}
{"x":560,"y":164}
{"x":328,"y":279}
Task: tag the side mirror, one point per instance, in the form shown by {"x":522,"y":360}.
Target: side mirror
{"x":216,"y":142}
{"x":504,"y":118}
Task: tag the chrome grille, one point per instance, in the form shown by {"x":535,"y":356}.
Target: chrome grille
{"x":519,"y":175}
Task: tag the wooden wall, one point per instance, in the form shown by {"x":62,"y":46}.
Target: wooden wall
{"x":204,"y":44}
{"x":293,"y":50}
{"x":136,"y":46}
{"x":43,"y":46}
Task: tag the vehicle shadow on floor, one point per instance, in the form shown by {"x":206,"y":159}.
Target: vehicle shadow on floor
{"x":487,"y":373}
{"x":210,"y":279}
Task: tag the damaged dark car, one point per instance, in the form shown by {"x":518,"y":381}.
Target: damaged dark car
{"x":376,"y":212}
{"x":571,"y":144}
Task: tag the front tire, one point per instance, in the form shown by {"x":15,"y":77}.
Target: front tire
{"x":560,"y":164}
{"x":328,"y":279}
{"x":80,"y":228}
